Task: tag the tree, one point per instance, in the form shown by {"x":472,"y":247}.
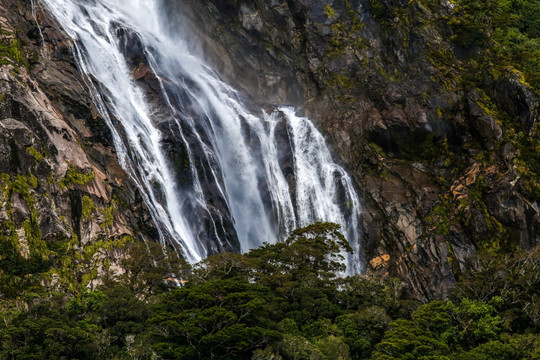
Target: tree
{"x":514,"y":279}
{"x":121,"y":315}
{"x":151,"y":268}
{"x":45,"y":331}
{"x":302,"y":270}
{"x":221,"y":318}
{"x":363,"y":329}
{"x":508,"y":347}
{"x":475,"y":322}
{"x":422,"y":338}
{"x":312,"y":251}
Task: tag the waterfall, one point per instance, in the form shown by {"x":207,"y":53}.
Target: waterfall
{"x":215,"y":175}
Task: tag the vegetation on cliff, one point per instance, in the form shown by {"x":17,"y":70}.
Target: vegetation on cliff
{"x":453,"y":128}
{"x":432,"y":106}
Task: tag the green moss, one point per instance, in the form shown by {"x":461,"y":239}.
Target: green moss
{"x":61,"y":256}
{"x":502,"y":38}
{"x":89,"y":276}
{"x":344,"y":32}
{"x":20,"y":186}
{"x":384,"y":174}
{"x":33,"y":181}
{"x":439,"y":218}
{"x":108,"y":244}
{"x":11,"y":52}
{"x":8,"y":239}
{"x":38,"y":247}
{"x":329,"y":11}
{"x":88,"y":207}
{"x":6,"y":180}
{"x":378,"y":10}
{"x":74,"y":176}
{"x":108,"y":213}
{"x":61,"y":246}
{"x":341,"y":81}
{"x":527,"y":159}
{"x":36,"y":154}
{"x":379,"y":150}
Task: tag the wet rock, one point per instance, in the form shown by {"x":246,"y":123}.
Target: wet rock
{"x":250,"y":18}
{"x":20,"y":211}
{"x":515,"y":212}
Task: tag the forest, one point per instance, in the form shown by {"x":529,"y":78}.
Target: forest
{"x":280,"y":301}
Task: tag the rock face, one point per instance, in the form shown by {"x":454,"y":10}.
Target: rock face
{"x":440,"y":171}
{"x":442,"y":165}
{"x":61,"y":181}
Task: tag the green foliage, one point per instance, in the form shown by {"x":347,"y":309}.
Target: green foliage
{"x":45,"y":332}
{"x":510,"y":29}
{"x":217,"y":319}
{"x":423,"y":337}
{"x":23,"y":253}
{"x":32,"y":179}
{"x":439,"y":218}
{"x":509,"y":347}
{"x":310,"y":252}
{"x":329,"y":11}
{"x":512,"y":281}
{"x":74,"y":176}
{"x":122,"y":314}
{"x":151,"y":269}
{"x":88,"y":207}
{"x":11,"y":52}
{"x":108,"y":213}
{"x":527,"y":161}
{"x":476,"y":321}
{"x":281,"y":301}
{"x":363,"y":329}
{"x":36,"y":154}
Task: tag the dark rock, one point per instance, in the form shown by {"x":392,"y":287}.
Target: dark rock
{"x":480,"y":120}
{"x":20,"y":210}
{"x":385,"y":93}
{"x":518,"y":99}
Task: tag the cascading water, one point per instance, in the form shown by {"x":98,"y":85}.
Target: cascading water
{"x":215,"y":175}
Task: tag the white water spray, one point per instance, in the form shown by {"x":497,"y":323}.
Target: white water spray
{"x":214,"y":175}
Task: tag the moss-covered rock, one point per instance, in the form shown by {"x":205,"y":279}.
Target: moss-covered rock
{"x":61,"y":183}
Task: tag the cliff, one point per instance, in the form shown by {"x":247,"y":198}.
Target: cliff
{"x":65,"y":200}
{"x":438,"y":129}
{"x":439,"y":133}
